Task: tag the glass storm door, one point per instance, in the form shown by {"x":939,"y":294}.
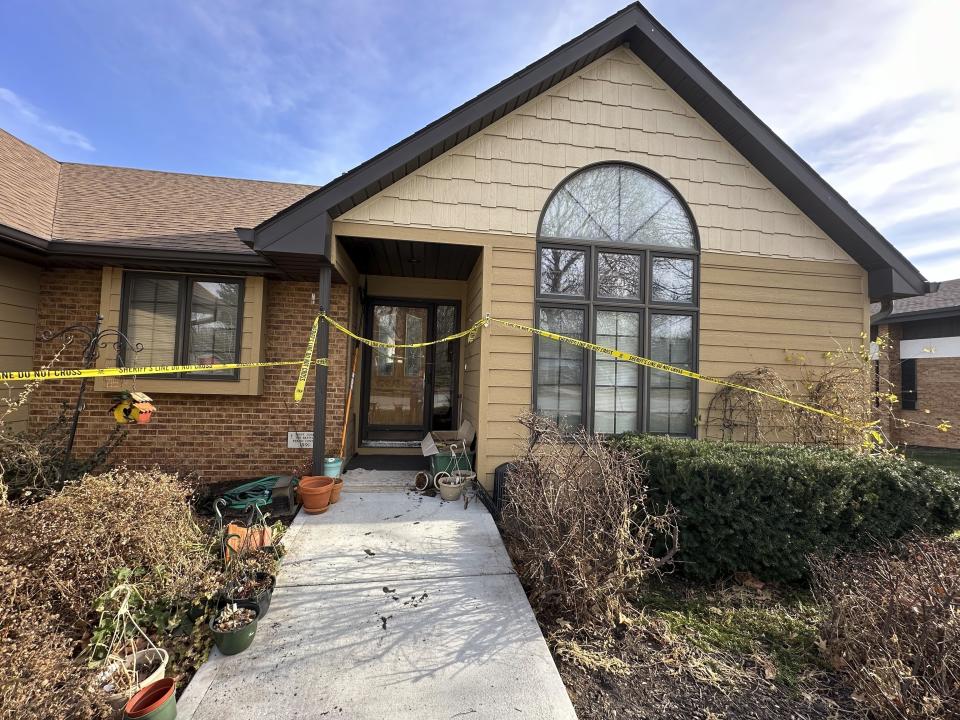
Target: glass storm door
{"x":409,"y":391}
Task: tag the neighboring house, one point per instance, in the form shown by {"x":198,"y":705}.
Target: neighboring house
{"x":923,"y":363}
{"x":614,"y":190}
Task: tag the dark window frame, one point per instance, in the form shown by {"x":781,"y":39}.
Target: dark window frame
{"x":186,"y":282}
{"x":908,"y":397}
{"x":592,"y":302}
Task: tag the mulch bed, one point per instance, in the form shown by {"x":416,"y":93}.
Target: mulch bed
{"x":655,"y":690}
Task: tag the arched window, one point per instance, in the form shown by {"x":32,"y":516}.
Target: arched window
{"x":617,"y":264}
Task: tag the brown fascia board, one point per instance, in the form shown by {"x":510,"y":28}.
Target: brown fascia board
{"x":18,"y":245}
{"x":900,"y":318}
{"x":653,"y":44}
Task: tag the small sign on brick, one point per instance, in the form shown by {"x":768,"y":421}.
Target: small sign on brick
{"x":299,"y":439}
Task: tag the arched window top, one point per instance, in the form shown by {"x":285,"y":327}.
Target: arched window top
{"x":618,"y":203}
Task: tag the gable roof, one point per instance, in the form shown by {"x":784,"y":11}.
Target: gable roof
{"x":944,"y":301}
{"x":295,"y":230}
{"x":28,"y":186}
{"x":74,"y":212}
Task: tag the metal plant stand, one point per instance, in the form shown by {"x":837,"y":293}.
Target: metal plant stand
{"x":98,"y":338}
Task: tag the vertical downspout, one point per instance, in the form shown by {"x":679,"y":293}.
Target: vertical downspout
{"x":320,"y":388}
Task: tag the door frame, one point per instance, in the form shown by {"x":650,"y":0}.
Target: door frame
{"x":405,"y":433}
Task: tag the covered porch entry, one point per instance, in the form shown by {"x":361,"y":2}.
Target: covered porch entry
{"x":410,"y":292}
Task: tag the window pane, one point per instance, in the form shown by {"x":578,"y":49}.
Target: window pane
{"x":672,"y":280}
{"x":562,"y":272}
{"x":214,"y":308}
{"x":618,"y":203}
{"x":619,"y":275}
{"x":560,"y":367}
{"x":586,"y":207}
{"x":443,"y":369}
{"x":152,"y":320}
{"x":616,"y":382}
{"x":671,"y":396}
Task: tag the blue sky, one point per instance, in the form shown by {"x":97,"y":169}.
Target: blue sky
{"x":302,"y":91}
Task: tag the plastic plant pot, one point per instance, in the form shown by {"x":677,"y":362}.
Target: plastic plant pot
{"x":236,"y":641}
{"x":156,"y":701}
{"x":132,"y":664}
{"x":315,"y":493}
{"x":332,"y":466}
{"x":262,"y":598}
{"x":450,"y":489}
{"x":337,"y":487}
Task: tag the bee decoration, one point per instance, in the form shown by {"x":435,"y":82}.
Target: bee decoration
{"x":133,"y":408}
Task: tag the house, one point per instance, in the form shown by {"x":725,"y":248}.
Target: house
{"x":614,"y":190}
{"x":923,"y":363}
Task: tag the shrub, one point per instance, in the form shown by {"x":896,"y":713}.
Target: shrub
{"x":64,"y":555}
{"x":893,"y":626}
{"x":576,"y":525}
{"x":764,"y":508}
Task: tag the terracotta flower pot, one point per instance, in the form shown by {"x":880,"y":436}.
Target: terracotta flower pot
{"x":315,"y":493}
{"x":156,"y":701}
{"x":337,"y":487}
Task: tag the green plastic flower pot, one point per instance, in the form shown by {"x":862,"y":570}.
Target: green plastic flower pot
{"x":262,"y":598}
{"x":231,"y":643}
{"x":156,"y":701}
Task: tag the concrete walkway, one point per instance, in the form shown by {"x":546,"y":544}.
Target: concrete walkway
{"x":389,"y":605}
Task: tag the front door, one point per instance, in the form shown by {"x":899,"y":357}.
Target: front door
{"x":409,"y":391}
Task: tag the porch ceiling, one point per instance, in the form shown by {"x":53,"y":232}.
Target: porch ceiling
{"x":403,"y":258}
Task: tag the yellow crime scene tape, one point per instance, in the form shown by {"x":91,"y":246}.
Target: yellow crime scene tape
{"x":72,"y":374}
{"x":472,"y":331}
{"x":654,"y":364}
{"x":469,"y":333}
{"x":305,"y":365}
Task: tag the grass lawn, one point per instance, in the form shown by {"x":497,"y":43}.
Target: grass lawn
{"x":947,"y":459}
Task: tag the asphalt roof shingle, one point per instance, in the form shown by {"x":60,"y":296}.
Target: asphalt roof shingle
{"x":28,"y":187}
{"x":153,"y":209}
{"x":77,"y":203}
{"x":947,"y":296}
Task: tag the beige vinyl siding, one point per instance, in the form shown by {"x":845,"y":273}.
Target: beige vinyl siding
{"x":763,"y":312}
{"x":509,"y":354}
{"x":251,"y":342}
{"x":19,"y":295}
{"x":614,"y":109}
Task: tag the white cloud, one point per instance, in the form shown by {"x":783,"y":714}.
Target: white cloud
{"x":25,"y":114}
{"x":869,"y":95}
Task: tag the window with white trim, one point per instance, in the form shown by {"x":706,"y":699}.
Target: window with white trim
{"x":617,"y":264}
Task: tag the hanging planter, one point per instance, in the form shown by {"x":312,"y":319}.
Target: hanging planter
{"x":450,"y":486}
{"x":256,"y":586}
{"x":234,"y":626}
{"x":156,"y":701}
{"x":315,"y":493}
{"x":126,"y":669}
{"x":125,"y":676}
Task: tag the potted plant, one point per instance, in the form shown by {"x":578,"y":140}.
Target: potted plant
{"x":450,"y":486}
{"x":315,"y":493}
{"x":156,"y":701}
{"x":234,"y":626}
{"x":123,"y":676}
{"x":256,"y":586}
{"x":337,"y":487}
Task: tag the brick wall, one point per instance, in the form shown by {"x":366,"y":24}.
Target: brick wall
{"x":219,"y":437}
{"x":938,"y":397}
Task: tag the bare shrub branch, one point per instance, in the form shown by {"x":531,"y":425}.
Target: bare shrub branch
{"x":577,"y":526}
{"x":894,"y":626}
